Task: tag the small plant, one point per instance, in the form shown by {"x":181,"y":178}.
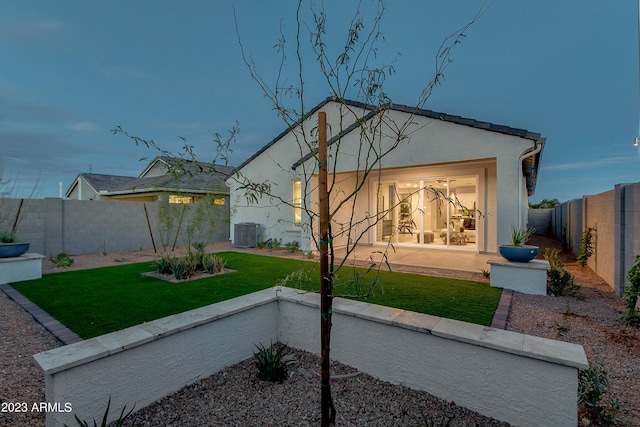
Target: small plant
{"x":485,"y":273}
{"x":261,"y":244}
{"x":198,"y":254}
{"x":273,"y":244}
{"x":272,"y":362}
{"x":182,"y":267}
{"x":553,"y":258}
{"x":163,"y":265}
{"x":586,"y":246}
{"x":61,"y":260}
{"x":519,"y":235}
{"x":632,"y":292}
{"x":566,"y":325}
{"x":103,"y":248}
{"x":118,"y":423}
{"x":7,"y":237}
{"x":213,"y":264}
{"x":559,"y":281}
{"x":277,"y":243}
{"x":309,"y":254}
{"x":445,"y":421}
{"x":292,"y":246}
{"x":592,"y":387}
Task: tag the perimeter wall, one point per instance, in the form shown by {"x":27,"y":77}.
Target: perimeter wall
{"x":614,"y":217}
{"x":79,"y":227}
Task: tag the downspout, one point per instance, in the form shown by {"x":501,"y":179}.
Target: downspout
{"x":532,"y":152}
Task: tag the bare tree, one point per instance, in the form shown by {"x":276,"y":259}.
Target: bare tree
{"x":354,"y":65}
{"x":352,"y":71}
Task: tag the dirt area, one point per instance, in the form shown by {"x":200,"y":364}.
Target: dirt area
{"x":591,"y":319}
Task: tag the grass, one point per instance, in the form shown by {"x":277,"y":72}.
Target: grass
{"x":97,"y":301}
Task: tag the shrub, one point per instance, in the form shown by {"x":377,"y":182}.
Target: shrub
{"x":213,"y":264}
{"x":592,"y":387}
{"x":292,"y":246}
{"x":553,"y":258}
{"x":632,"y":292}
{"x":163,"y":265}
{"x":559,"y":280}
{"x":182,"y":267}
{"x":198,"y":254}
{"x":273,"y":243}
{"x":61,"y":260}
{"x":272,"y":362}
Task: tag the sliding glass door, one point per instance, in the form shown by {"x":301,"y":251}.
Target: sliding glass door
{"x":428,"y":211}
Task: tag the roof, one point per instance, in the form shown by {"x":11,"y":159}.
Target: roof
{"x":182,"y":175}
{"x":100,"y":182}
{"x":530,"y":165}
{"x":189,"y":176}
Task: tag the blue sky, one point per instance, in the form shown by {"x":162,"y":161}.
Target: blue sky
{"x":71,"y":71}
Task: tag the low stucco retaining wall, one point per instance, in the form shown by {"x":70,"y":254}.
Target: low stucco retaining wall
{"x":521,"y":379}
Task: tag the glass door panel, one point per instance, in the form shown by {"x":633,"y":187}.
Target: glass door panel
{"x":432,"y":211}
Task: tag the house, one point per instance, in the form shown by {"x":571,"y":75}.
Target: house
{"x":184,"y":181}
{"x":451,"y":183}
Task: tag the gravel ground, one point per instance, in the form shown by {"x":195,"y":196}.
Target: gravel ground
{"x":235,"y":397}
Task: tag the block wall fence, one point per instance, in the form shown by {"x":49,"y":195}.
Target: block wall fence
{"x":54,"y":225}
{"x":615,"y":216}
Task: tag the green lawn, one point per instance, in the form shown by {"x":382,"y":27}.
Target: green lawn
{"x":97,"y":301}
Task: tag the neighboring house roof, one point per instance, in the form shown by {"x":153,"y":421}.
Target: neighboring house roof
{"x":530,"y":164}
{"x":181,"y":175}
{"x":177,"y":175}
{"x":100,"y":182}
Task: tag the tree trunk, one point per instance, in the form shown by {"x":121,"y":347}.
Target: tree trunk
{"x":326,"y":282}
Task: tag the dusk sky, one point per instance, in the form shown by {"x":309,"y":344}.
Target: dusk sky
{"x":71,"y":71}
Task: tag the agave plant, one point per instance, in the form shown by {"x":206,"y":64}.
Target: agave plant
{"x":520,"y":235}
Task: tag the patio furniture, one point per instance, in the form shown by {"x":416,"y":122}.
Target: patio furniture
{"x":427,"y":237}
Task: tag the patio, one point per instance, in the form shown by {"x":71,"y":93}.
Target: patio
{"x":424,"y":258}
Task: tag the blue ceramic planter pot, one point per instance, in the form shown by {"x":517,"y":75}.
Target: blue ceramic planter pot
{"x":9,"y":250}
{"x":519,"y":253}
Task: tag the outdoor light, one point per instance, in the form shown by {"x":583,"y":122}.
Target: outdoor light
{"x":635,"y":144}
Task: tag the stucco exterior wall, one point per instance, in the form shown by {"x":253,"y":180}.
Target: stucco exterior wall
{"x":429,"y":144}
{"x":83,"y":191}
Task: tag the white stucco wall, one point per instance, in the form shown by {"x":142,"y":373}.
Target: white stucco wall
{"x":434,"y":145}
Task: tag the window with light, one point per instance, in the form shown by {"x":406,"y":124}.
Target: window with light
{"x":297,"y":202}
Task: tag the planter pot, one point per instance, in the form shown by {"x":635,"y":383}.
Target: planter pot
{"x":518,"y":253}
{"x":9,"y":250}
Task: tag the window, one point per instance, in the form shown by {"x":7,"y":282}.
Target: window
{"x":218,"y":201}
{"x":297,"y":202}
{"x":180,"y":199}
